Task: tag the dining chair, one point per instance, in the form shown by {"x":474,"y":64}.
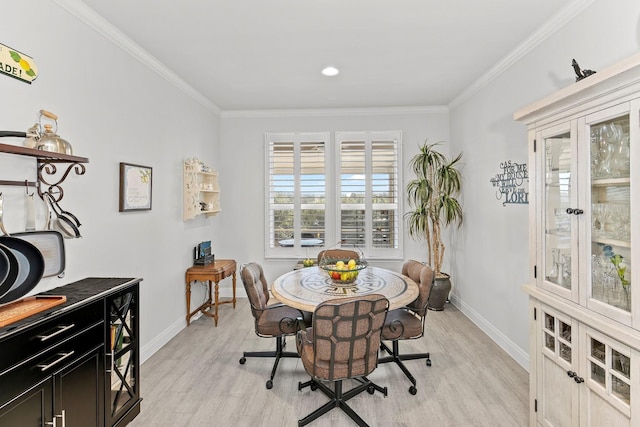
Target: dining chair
{"x":407,"y":323}
{"x":271,"y":320}
{"x":338,"y":254}
{"x":342,"y":343}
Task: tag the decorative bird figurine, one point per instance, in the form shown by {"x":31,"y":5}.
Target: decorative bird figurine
{"x":580,"y":74}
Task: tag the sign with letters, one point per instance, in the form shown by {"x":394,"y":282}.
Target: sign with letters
{"x":17,"y":64}
{"x":511,"y":183}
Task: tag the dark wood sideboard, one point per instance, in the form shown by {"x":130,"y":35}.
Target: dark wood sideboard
{"x":76,"y":364}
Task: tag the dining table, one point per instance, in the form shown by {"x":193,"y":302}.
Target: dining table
{"x":307,"y":287}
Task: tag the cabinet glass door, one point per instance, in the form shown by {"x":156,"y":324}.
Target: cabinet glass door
{"x":123,"y":380}
{"x":608,"y":377}
{"x":610,"y":167}
{"x":557,"y":218}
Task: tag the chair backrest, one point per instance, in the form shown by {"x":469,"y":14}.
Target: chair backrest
{"x":338,"y":254}
{"x":346,"y":336}
{"x":424,"y":276}
{"x":256,"y":287}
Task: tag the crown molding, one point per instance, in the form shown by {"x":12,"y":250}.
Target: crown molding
{"x":438,"y":109}
{"x":87,"y":15}
{"x":550,"y":27}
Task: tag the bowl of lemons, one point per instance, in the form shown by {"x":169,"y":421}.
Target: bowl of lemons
{"x":343,"y":271}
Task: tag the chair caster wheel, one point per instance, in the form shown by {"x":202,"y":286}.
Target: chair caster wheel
{"x":269,"y":385}
{"x":313,"y":386}
{"x":413,"y":390}
{"x":428,"y":362}
{"x":371,"y":389}
{"x":243,"y":360}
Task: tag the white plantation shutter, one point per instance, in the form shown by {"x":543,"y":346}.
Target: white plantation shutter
{"x":318,"y":196}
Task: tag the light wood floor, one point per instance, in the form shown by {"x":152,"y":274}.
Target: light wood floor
{"x":196,"y":380}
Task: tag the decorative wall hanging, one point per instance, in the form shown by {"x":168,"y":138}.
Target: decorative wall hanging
{"x":135,"y":187}
{"x":17,"y":65}
{"x":511,"y":183}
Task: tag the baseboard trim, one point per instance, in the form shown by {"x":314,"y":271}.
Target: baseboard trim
{"x":165,"y":336}
{"x":518,"y":354}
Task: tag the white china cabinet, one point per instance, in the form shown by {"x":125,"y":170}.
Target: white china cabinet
{"x":584,"y":158}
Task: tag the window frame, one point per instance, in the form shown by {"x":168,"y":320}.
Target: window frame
{"x":368,"y":137}
{"x":332,"y":192}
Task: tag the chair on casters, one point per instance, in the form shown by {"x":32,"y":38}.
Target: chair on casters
{"x":407,"y":323}
{"x":342,"y":343}
{"x":271,"y":321}
{"x":338,"y":254}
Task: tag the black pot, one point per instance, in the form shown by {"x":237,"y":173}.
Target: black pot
{"x":439,"y":292}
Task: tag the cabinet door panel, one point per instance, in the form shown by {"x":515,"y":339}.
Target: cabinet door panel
{"x":122,"y":386}
{"x":608,"y":374}
{"x":558,"y":199}
{"x":79,"y":391}
{"x":557,"y":391}
{"x":31,"y":409}
{"x":558,"y":397}
{"x":601,"y":413}
{"x":608,"y":247}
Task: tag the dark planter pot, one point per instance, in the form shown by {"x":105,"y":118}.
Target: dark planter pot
{"x":439,"y":292}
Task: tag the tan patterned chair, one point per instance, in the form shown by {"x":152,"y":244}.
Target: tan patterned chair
{"x":338,"y":254}
{"x":271,"y":321}
{"x":407,"y":323}
{"x":342,"y":343}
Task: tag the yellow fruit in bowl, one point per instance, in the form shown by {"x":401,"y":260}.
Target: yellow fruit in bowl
{"x":340,"y":265}
{"x":352,"y":264}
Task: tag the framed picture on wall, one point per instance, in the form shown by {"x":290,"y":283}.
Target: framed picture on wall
{"x":135,"y":187}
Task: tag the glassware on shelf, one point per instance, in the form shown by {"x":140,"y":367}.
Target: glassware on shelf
{"x":606,"y":137}
{"x":602,"y":216}
{"x":555,"y":260}
{"x":621,"y":157}
{"x":621,"y":217}
{"x":566,"y":268}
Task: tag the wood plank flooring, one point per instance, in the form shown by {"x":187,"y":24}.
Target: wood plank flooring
{"x":196,"y":380}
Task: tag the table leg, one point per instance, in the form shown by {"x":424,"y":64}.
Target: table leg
{"x":188,"y":303}
{"x":215,"y":315}
{"x":234,"y":289}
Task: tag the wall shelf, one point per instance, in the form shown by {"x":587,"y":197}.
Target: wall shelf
{"x":50,"y":177}
{"x":201,"y":190}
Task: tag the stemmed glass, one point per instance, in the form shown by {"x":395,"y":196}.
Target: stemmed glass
{"x":608,"y":135}
{"x":621,"y":156}
{"x":553,"y":273}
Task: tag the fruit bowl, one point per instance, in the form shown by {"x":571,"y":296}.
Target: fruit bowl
{"x":341,"y":271}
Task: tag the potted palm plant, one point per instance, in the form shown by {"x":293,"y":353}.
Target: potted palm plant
{"x":432,"y":198}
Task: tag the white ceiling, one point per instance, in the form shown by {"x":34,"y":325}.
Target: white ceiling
{"x":267,"y":54}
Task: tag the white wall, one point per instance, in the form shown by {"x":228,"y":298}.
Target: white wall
{"x":243,"y":171}
{"x":111,"y":109}
{"x":490,"y":253}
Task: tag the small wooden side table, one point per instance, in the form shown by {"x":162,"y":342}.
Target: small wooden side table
{"x":212,"y":273}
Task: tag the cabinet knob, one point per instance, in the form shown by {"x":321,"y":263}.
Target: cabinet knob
{"x":575,"y":211}
{"x":578,"y":379}
{"x":571,"y":374}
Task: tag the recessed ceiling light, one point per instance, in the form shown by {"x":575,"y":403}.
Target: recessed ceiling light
{"x":330,"y":71}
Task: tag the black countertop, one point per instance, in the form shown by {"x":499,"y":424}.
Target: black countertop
{"x":77,"y":293}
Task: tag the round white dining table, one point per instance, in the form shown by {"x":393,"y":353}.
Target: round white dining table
{"x":307,"y":287}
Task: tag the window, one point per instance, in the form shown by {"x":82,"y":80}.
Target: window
{"x":318,"y":196}
{"x":369,"y":205}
